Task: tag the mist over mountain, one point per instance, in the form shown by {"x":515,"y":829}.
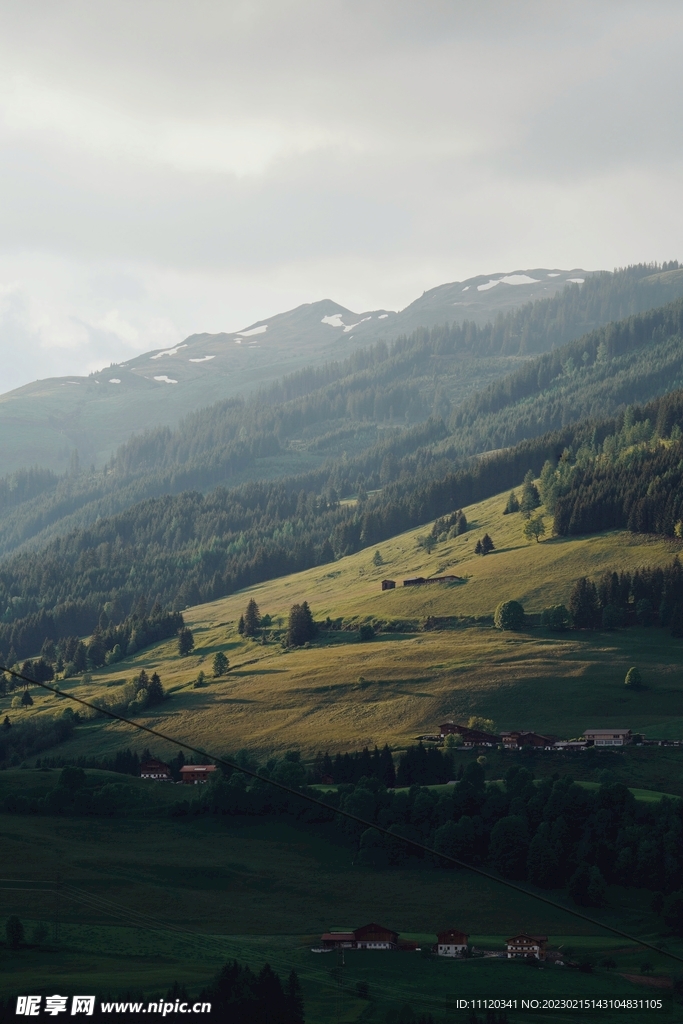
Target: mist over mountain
{"x":43,"y":422}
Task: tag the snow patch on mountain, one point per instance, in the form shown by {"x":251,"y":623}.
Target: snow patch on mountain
{"x":203,"y":359}
{"x":166,"y":380}
{"x":254,"y":330}
{"x":168,"y":352}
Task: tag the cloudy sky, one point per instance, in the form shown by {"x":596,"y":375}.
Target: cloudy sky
{"x":173,"y":167}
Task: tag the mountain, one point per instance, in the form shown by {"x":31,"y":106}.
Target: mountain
{"x":424,"y":404}
{"x":43,"y":422}
{"x":187,"y":548}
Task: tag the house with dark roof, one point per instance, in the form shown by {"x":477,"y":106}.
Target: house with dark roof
{"x":526,"y":947}
{"x":451,"y":942}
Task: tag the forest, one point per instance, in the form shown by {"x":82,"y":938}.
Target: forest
{"x":335,"y":424}
{"x":549,"y":833}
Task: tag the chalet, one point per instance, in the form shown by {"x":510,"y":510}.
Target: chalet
{"x":451,"y":943}
{"x":194,"y":774}
{"x":516,"y":740}
{"x":527,"y":946}
{"x":374,"y":936}
{"x":470,"y":737}
{"x":608,"y":737}
{"x":156,"y":770}
{"x":413,"y":581}
{"x":388,"y":584}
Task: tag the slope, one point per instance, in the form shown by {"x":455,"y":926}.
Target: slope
{"x":342,"y":694}
{"x":43,"y":422}
{"x":345,"y":424}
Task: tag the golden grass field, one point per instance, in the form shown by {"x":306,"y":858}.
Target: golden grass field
{"x":342,"y":694}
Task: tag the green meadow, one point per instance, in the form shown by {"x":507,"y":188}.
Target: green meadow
{"x":342,"y":694}
{"x":132,"y":905}
{"x":184,"y":894}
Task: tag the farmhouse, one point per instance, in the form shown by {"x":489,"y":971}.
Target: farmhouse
{"x":608,"y":737}
{"x":156,"y":770}
{"x":516,"y":740}
{"x":413,"y":581}
{"x":193,"y":774}
{"x":527,"y":946}
{"x":388,"y":584}
{"x":470,"y":737}
{"x":451,"y":942}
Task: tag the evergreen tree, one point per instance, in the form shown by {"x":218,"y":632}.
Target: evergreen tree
{"x":220,"y":664}
{"x":509,"y":846}
{"x":478,"y":548}
{"x":302,"y":628}
{"x":583,"y":604}
{"x":155,"y":691}
{"x":512,"y":504}
{"x":185,"y":641}
{"x":26,"y":699}
{"x":487,"y":544}
{"x":240,"y":626}
{"x":542,"y":863}
{"x":252,"y":618}
{"x":530,"y":497}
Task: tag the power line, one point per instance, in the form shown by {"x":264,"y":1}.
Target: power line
{"x":348,"y":815}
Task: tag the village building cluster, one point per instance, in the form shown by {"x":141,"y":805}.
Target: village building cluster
{"x":449,"y":943}
{"x":516,"y":740}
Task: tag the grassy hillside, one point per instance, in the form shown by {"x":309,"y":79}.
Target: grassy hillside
{"x":213,"y":889}
{"x":342,"y":694}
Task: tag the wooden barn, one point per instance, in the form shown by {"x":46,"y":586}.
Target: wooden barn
{"x":375,"y":936}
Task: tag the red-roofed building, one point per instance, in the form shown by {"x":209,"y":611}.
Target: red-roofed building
{"x":375,"y":936}
{"x":192,"y":774}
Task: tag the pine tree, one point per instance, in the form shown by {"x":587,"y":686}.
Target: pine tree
{"x":240,"y":626}
{"x":512,"y":504}
{"x":583,"y":604}
{"x":185,"y":641}
{"x":487,"y":544}
{"x":530,"y":496}
{"x":252,"y":619}
{"x":302,"y":628}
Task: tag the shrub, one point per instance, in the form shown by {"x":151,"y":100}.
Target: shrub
{"x":634,"y":679}
{"x":367,"y":631}
{"x":555,"y":618}
{"x":509,"y":615}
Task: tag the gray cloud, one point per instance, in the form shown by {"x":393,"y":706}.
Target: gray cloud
{"x":166,"y":169}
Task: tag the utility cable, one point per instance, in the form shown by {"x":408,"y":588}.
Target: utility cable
{"x":422,"y":847}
